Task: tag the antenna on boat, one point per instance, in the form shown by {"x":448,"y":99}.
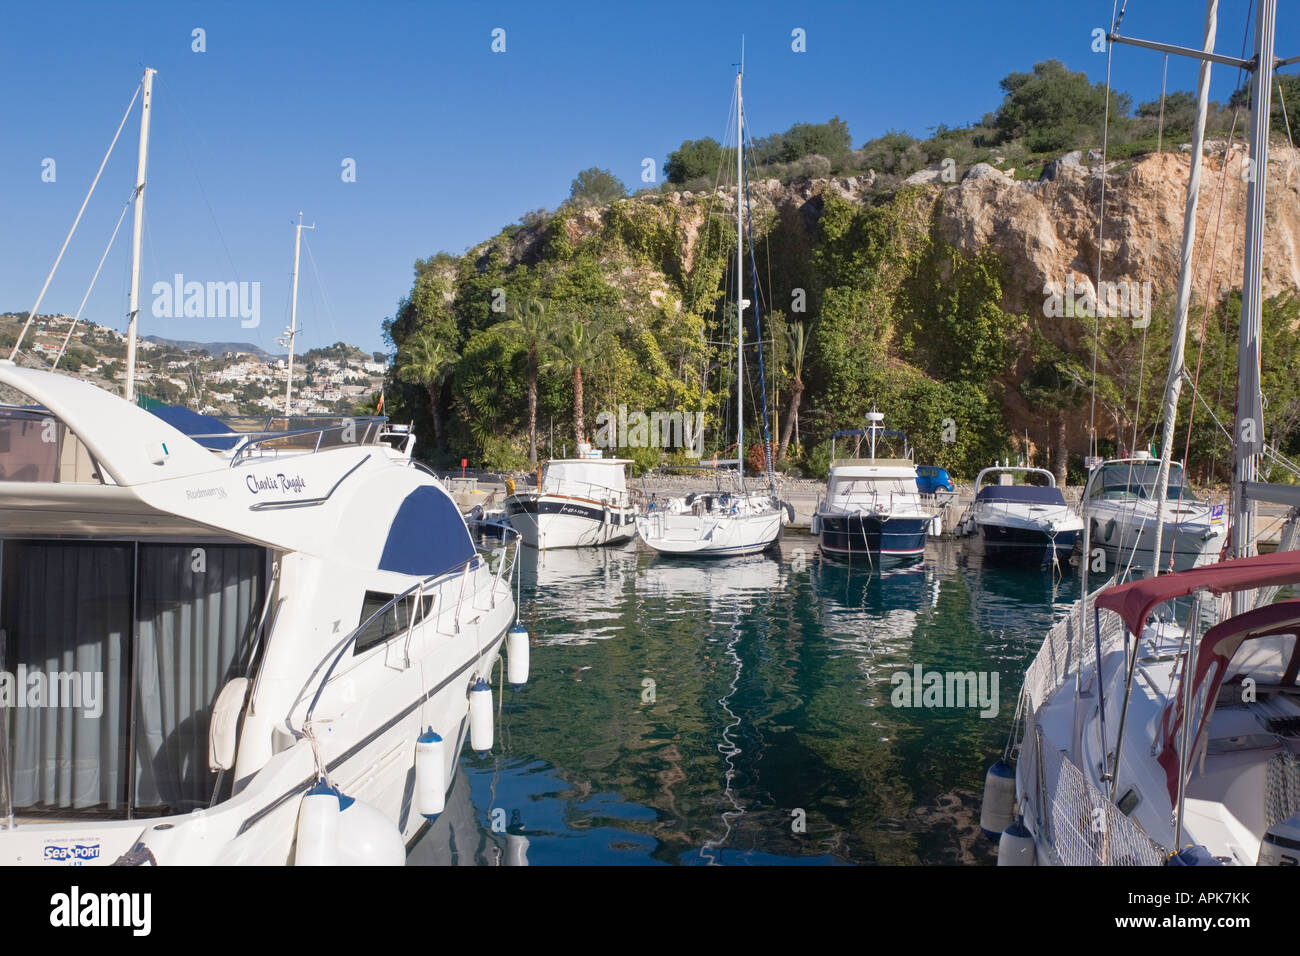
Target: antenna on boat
{"x":875,"y":418}
{"x":292,"y":331}
{"x":137,"y":231}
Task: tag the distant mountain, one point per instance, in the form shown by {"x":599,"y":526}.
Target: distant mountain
{"x":215,"y":349}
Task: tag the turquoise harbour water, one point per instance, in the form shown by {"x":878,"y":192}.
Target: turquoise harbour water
{"x":705,"y":712}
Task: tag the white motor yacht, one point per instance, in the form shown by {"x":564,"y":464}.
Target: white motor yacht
{"x":1021,"y":522}
{"x":872,"y":507}
{"x":579,"y":502}
{"x":1119,"y":503}
{"x":240,"y":649}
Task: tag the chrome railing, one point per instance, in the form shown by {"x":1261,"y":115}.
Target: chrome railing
{"x":301,"y":439}
{"x":606,"y":495}
{"x":502,"y":562}
{"x":868,"y":501}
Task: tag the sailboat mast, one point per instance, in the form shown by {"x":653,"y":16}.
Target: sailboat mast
{"x":137,"y":231}
{"x":1250,"y":413}
{"x":293,"y":317}
{"x":740,"y":286}
{"x":1174,"y":384}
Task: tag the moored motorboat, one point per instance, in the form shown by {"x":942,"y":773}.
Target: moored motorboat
{"x":1021,"y":522}
{"x":872,"y":508}
{"x":579,"y":502}
{"x":1119,"y":502}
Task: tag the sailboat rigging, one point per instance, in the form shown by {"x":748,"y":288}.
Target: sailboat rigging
{"x":725,"y":523}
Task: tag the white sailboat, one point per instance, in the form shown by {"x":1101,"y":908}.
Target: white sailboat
{"x":734,"y":522}
{"x":262,"y":648}
{"x":1172,"y":738}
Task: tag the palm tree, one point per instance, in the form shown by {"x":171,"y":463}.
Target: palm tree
{"x":796,"y":334}
{"x":530,"y":326}
{"x":426,"y":360}
{"x":581,"y":345}
{"x":1055,"y":385}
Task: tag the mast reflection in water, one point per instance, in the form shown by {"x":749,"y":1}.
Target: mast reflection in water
{"x":739,"y":711}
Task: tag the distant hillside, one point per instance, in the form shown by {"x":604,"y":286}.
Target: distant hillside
{"x":215,"y":348}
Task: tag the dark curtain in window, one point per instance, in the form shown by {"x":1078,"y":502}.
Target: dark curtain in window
{"x":65,"y":620}
{"x":197,"y":610}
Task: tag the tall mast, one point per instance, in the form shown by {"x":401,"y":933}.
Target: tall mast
{"x":292,"y":331}
{"x":1250,"y":413}
{"x":1174,"y":384}
{"x":740,"y":282}
{"x":137,"y":231}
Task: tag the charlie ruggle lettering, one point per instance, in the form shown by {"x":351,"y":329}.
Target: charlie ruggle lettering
{"x":280,"y":482}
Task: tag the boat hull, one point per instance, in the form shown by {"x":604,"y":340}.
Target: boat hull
{"x":1125,"y":544}
{"x":1025,"y":545}
{"x":887,"y":539}
{"x":559,"y":521}
{"x":707,"y":536}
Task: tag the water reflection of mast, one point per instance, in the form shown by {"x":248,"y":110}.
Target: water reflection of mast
{"x":730,"y":751}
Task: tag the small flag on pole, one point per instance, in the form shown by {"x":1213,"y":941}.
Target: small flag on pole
{"x":380,"y":406}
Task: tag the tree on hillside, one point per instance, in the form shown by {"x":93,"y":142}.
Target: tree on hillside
{"x":797,"y":343}
{"x":693,"y":159}
{"x":596,"y":187}
{"x":1051,"y":107}
{"x":1285,"y":88}
{"x":830,"y":139}
{"x":581,"y":345}
{"x":894,"y":154}
{"x":426,"y":360}
{"x":1179,"y":112}
{"x":1056,"y":384}
{"x":530,"y":326}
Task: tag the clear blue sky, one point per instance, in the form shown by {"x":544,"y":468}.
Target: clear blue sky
{"x":451,"y":140}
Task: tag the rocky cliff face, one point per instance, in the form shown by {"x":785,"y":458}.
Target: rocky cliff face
{"x":1046,"y":231}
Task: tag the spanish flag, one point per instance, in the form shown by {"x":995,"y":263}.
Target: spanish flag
{"x":380,"y":406}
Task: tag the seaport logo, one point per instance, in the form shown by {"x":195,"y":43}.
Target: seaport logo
{"x":73,"y":909}
{"x":656,"y":430}
{"x":35,"y":689}
{"x":179,"y":299}
{"x":280,"y":482}
{"x":71,"y":853}
{"x":952,"y":690}
{"x":1076,"y":298}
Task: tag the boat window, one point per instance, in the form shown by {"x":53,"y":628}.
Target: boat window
{"x":1128,"y":803}
{"x":36,"y":446}
{"x":847,"y":487}
{"x":1138,"y":480}
{"x":391,"y":623}
{"x":119,"y":650}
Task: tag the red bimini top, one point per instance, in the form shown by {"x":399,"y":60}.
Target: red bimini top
{"x":1134,"y":601}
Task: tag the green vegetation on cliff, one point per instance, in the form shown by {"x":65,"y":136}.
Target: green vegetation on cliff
{"x":511,"y":352}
